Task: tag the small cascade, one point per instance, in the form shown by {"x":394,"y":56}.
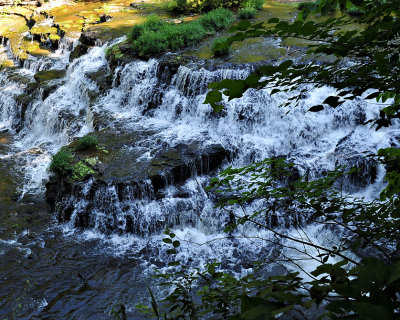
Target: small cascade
{"x":59,"y":59}
{"x":65,"y":112}
{"x":9,"y":111}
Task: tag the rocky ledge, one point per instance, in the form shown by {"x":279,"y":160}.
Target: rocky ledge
{"x":118,"y":172}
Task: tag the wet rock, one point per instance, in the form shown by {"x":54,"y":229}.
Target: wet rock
{"x":102,"y":77}
{"x":48,"y":75}
{"x":88,"y":38}
{"x":169,"y":65}
{"x":137,"y":5}
{"x":183,"y":162}
{"x":78,"y":51}
{"x":124,"y":176}
{"x":104,"y":18}
{"x":125,"y":47}
{"x":363,"y":169}
{"x":47,"y":81}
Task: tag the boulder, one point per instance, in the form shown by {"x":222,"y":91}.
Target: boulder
{"x":48,"y":75}
{"x":47,"y":81}
{"x":78,"y":51}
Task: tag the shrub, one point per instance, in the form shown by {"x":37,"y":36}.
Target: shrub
{"x":154,"y":36}
{"x":256,"y":4}
{"x":217,"y":20}
{"x":152,"y":23}
{"x":88,"y":142}
{"x":192,"y":32}
{"x":171,"y":5}
{"x":309,"y":5}
{"x":61,"y":162}
{"x":247,"y":13}
{"x":221,"y":47}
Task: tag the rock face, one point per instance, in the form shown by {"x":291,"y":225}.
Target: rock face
{"x":364,"y":169}
{"x":123,"y":175}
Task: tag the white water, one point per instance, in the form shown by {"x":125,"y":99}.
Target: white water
{"x":252,"y":127}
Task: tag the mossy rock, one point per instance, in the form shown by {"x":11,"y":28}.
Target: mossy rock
{"x":48,"y":75}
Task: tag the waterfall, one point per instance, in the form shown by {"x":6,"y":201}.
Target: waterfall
{"x":149,"y":110}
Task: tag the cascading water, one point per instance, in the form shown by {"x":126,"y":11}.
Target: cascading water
{"x":155,"y":111}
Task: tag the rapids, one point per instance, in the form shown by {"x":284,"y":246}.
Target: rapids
{"x":53,"y":270}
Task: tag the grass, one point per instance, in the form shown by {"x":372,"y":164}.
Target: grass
{"x":256,"y":4}
{"x":88,"y":142}
{"x":155,"y":36}
{"x":247,"y":13}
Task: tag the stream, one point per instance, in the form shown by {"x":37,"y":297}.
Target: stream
{"x":102,"y":242}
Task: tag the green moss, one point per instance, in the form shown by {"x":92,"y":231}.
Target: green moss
{"x":88,"y":142}
{"x":80,"y":171}
{"x":114,"y":51}
{"x":61,"y":162}
{"x":47,"y":75}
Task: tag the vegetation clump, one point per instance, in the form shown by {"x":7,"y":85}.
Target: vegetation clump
{"x":256,"y":4}
{"x":221,"y":47}
{"x":247,"y":13}
{"x":80,"y":171}
{"x":355,"y":12}
{"x":155,"y":36}
{"x":186,"y":6}
{"x":88,"y":142}
{"x":308,"y":5}
{"x":61,"y":162}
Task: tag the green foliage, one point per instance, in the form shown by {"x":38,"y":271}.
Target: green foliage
{"x":155,"y":36}
{"x":308,"y":5}
{"x":355,"y":12}
{"x":80,"y":171}
{"x":256,"y":4}
{"x":374,"y":59}
{"x":220,"y":47}
{"x":113,"y":51}
{"x":391,"y":158}
{"x":61,"y":162}
{"x":217,"y":20}
{"x":87,"y":142}
{"x":187,"y":6}
{"x":247,"y":13}
{"x":368,"y":288}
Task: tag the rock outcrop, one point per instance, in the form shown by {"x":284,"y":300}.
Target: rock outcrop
{"x":123,"y":171}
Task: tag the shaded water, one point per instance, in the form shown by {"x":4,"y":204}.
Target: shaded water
{"x":81,"y":274}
